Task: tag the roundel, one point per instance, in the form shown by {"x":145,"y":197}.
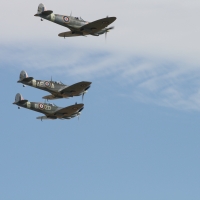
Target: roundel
{"x":41,"y":106}
{"x":47,"y":84}
{"x":66,"y":19}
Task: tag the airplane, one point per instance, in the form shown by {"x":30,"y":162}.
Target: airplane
{"x":56,"y":88}
{"x":77,"y":25}
{"x":50,"y":110}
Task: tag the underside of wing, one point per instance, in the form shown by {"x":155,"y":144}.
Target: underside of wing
{"x":96,"y":26}
{"x":44,"y":118}
{"x":51,"y":97}
{"x":68,"y":111}
{"x":69,"y":34}
{"x":77,"y":87}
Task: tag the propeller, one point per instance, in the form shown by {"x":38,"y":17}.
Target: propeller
{"x":79,"y":112}
{"x":83,"y":96}
{"x":107,"y":30}
{"x":85,"y":92}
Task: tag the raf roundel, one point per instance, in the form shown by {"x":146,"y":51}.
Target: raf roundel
{"x":41,"y":106}
{"x":47,"y":84}
{"x":66,"y":19}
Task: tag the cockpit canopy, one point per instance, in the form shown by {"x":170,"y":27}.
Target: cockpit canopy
{"x":52,"y":104}
{"x":58,"y":82}
{"x":79,"y":18}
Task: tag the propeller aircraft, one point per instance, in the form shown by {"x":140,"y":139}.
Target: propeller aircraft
{"x":77,"y":26}
{"x":56,"y":88}
{"x":51,"y":111}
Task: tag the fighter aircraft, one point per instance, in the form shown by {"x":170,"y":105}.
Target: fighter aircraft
{"x":56,"y":88}
{"x":50,"y":110}
{"x":77,"y":25}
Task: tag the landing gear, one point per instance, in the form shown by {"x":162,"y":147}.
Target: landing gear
{"x":41,"y":19}
{"x":24,"y":86}
{"x":18,"y":107}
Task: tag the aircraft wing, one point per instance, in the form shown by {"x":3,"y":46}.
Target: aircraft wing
{"x":43,"y":118}
{"x":96,"y":26}
{"x":68,"y":111}
{"x":76,"y":87}
{"x":69,"y":34}
{"x":51,"y":97}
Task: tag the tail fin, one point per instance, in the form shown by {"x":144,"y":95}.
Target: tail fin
{"x":42,"y":10}
{"x":19,"y":99}
{"x":24,"y":77}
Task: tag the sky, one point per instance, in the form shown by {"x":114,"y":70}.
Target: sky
{"x":138,"y":136}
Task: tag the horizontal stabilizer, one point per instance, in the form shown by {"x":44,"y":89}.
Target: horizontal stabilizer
{"x":46,"y":13}
{"x":21,"y":102}
{"x":69,"y":34}
{"x":26,"y":79}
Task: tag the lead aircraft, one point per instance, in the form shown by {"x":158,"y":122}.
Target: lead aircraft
{"x":56,"y":88}
{"x":50,"y":110}
{"x":77,"y":25}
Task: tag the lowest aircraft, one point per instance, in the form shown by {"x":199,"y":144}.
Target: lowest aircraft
{"x":77,"y":26}
{"x":51,"y":111}
{"x":56,"y":88}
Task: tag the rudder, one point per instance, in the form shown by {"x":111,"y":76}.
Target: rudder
{"x":23,"y":75}
{"x":41,"y":8}
{"x":19,"y":99}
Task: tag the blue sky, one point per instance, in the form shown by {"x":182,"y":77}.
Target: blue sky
{"x":138,"y":136}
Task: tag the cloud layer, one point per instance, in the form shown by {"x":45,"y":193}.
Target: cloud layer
{"x":153,"y":51}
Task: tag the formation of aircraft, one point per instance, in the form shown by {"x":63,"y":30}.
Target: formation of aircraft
{"x":50,"y":111}
{"x":56,"y":88}
{"x":77,"y":26}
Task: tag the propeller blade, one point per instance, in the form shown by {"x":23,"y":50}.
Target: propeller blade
{"x":83,"y":96}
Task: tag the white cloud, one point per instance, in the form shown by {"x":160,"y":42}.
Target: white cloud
{"x":153,"y":50}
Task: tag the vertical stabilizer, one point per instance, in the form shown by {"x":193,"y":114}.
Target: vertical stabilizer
{"x":19,"y":99}
{"x":41,"y":8}
{"x":23,"y":75}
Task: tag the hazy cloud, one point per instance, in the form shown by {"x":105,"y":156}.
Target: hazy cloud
{"x":153,"y":50}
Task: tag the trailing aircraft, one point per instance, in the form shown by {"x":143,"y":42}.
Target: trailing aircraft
{"x":50,"y":111}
